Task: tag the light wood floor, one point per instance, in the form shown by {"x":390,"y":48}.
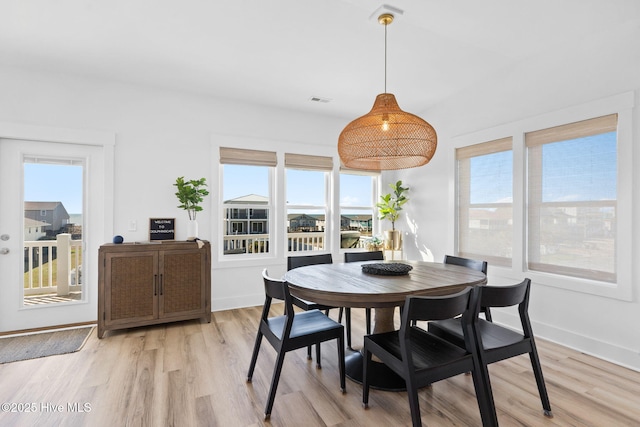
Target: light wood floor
{"x":193,"y":374}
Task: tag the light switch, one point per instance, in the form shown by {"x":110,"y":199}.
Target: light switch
{"x":133,"y":226}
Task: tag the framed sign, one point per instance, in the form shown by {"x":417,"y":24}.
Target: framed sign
{"x":162,"y":228}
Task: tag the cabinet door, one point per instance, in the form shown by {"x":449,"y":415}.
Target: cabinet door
{"x":182,"y":290}
{"x":131,"y":287}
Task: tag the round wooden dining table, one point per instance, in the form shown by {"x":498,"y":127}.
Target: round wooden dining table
{"x":347,"y":285}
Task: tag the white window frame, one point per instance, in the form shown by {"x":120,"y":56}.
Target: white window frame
{"x":262,"y":159}
{"x":375,"y":185}
{"x":299,"y":160}
{"x":502,"y":145}
{"x":538,"y":207}
{"x":622,"y":105}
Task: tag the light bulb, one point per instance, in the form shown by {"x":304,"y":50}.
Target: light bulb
{"x":385,"y":122}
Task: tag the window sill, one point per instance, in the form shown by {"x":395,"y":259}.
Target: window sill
{"x":619,"y":290}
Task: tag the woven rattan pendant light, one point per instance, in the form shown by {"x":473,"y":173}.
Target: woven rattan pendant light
{"x":386,"y":138}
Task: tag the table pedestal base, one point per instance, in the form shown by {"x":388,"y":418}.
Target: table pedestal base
{"x":382,"y":377}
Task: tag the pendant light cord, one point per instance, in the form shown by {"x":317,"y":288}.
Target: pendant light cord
{"x":385,"y":57}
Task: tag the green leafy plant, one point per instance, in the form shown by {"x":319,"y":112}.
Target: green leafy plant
{"x":190,"y":194}
{"x":375,"y":243}
{"x":391,"y":204}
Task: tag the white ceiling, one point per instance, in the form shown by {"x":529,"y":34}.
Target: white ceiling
{"x":283,"y":52}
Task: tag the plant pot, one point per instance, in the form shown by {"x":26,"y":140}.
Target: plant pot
{"x":393,"y":240}
{"x":192,"y":229}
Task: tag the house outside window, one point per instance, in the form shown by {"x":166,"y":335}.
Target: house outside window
{"x":307,"y":193}
{"x":247,"y":201}
{"x":358,"y":192}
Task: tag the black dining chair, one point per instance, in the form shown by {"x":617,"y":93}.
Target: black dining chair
{"x":497,"y":342}
{"x":301,"y":261}
{"x":422,"y":358}
{"x":474,"y":265}
{"x":355,"y":257}
{"x":292,"y":331}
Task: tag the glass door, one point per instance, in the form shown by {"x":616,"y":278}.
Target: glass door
{"x":46,"y":217}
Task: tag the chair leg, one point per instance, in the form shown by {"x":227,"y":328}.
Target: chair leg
{"x":365,"y":376}
{"x":274,"y":383}
{"x":347,"y":316}
{"x":484,"y":394}
{"x":542,"y":388}
{"x":309,"y":353}
{"x":414,"y":405}
{"x":341,"y":363}
{"x":367,"y":314}
{"x":318,"y":359}
{"x":340,"y":311}
{"x":254,"y":356}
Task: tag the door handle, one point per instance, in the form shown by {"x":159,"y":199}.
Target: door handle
{"x":4,"y":251}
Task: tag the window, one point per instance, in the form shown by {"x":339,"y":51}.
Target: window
{"x":485,"y":197}
{"x":307,"y":181}
{"x":572,"y":194}
{"x":573,"y":197}
{"x":357,"y":208}
{"x":247,"y":201}
{"x":571,"y":176}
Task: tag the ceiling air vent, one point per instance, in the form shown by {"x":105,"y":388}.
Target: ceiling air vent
{"x":319,"y":99}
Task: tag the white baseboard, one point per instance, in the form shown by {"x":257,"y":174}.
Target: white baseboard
{"x":220,"y":304}
{"x":606,"y":351}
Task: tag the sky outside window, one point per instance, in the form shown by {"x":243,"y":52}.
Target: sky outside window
{"x":492,"y":178}
{"x":580,"y":169}
{"x":54,"y":183}
{"x":51,"y":182}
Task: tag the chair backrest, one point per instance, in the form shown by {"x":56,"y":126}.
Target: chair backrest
{"x":436,"y":307}
{"x":506,"y":296}
{"x":275,"y":289}
{"x":465,"y":303}
{"x":466,"y":262}
{"x":509,"y":296}
{"x":363,"y":256}
{"x":301,"y":261}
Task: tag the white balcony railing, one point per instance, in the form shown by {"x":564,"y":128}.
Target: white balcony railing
{"x":46,"y":275}
{"x":296,"y":242}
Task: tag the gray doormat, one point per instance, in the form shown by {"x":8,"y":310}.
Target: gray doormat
{"x":32,"y":346}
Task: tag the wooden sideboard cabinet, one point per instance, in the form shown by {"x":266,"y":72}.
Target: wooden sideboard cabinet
{"x":142,"y":284}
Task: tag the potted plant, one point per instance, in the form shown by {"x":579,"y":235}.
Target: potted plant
{"x":190,"y":194}
{"x":389,"y":208}
{"x":374,"y":244}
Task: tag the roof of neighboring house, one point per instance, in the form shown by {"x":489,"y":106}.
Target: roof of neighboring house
{"x":358,"y":217}
{"x":319,"y":217}
{"x":28,"y":222}
{"x":38,"y":206}
{"x":249,"y":199}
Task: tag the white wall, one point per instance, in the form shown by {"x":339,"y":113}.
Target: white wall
{"x":164,"y":134}
{"x":566,"y":79}
{"x":161,"y":135}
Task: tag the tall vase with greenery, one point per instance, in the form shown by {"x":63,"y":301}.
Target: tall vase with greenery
{"x":389,"y":208}
{"x":190,"y":194}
